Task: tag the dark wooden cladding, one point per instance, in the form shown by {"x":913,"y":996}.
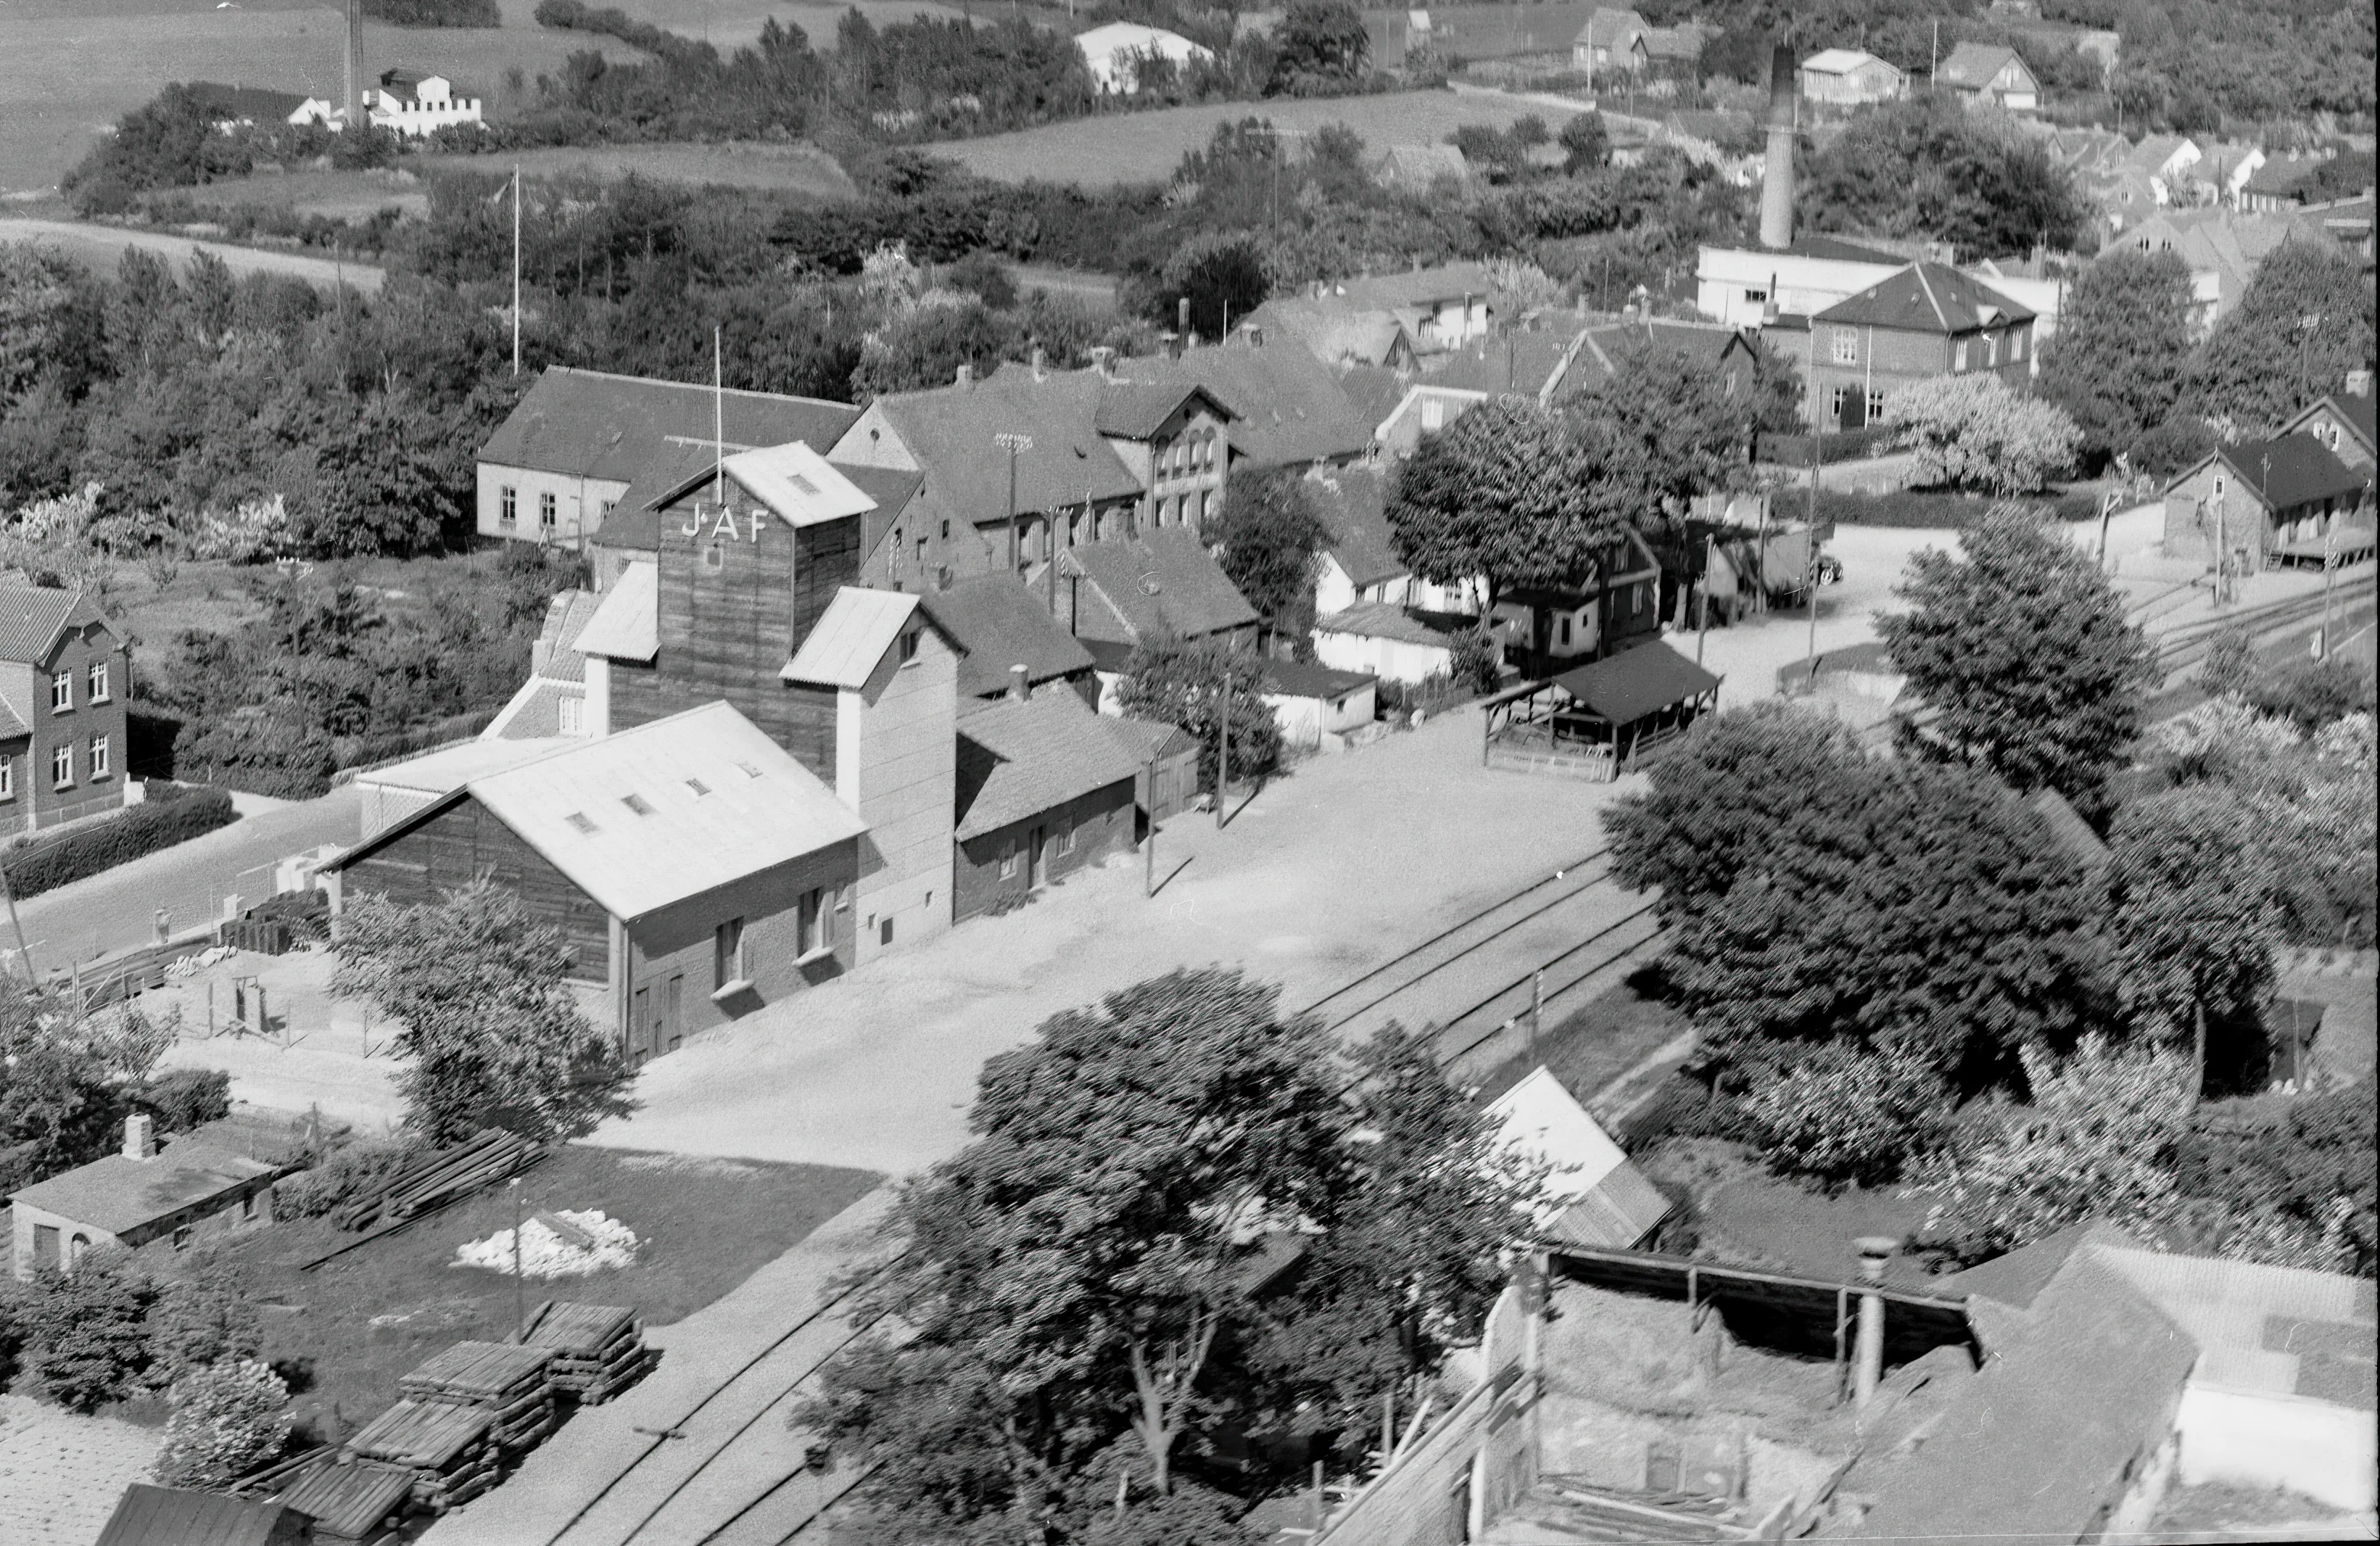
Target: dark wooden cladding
{"x":738,"y":593}
{"x":452,"y":847}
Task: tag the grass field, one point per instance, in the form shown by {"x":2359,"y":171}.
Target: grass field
{"x":365,"y":1320}
{"x":1146,"y":147}
{"x":796,"y":168}
{"x":729,"y":23}
{"x":69,"y":72}
{"x":1598,"y":1043}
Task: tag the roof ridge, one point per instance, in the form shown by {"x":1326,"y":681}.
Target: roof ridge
{"x":696,"y":386}
{"x":1931,"y":298}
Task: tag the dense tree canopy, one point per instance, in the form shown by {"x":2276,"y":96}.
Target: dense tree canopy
{"x":2021,"y":648}
{"x":1208,"y":690}
{"x":1269,"y":534}
{"x":1925,"y":167}
{"x":2123,"y":341}
{"x":2304,"y":322}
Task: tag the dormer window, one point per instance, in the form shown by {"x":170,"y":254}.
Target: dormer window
{"x":582,"y":825}
{"x":637,"y":803}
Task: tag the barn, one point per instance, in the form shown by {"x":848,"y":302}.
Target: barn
{"x":696,"y":869}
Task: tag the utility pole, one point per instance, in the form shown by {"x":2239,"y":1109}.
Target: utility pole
{"x":1013,"y":443}
{"x":1223,"y":768}
{"x":2222,"y":550}
{"x":1149,"y":849}
{"x":1710,"y":549}
{"x":516,"y":195}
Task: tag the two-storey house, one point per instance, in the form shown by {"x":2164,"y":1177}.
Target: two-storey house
{"x":63,"y":677}
{"x":1928,"y":320}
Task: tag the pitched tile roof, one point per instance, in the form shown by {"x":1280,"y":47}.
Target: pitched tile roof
{"x":951,"y":430}
{"x":594,"y":425}
{"x":258,"y":104}
{"x":1419,"y":287}
{"x":1927,"y":298}
{"x":1353,"y":504}
{"x":627,"y":625}
{"x":1973,"y":64}
{"x":116,"y":1193}
{"x":1136,"y":410}
{"x":555,"y":654}
{"x":1611,"y":26}
{"x":1628,"y":685}
{"x":635,"y":522}
{"x":1601,"y":348}
{"x":1523,"y":361}
{"x":1146,"y":738}
{"x":1306,"y":680}
{"x":34,"y":617}
{"x":756,"y":807}
{"x":999,"y":623}
{"x":1330,"y":331}
{"x":1375,"y":390}
{"x":2290,"y":471}
{"x":1017,"y":759}
{"x":1163,"y":583}
{"x":850,"y":637}
{"x":1290,"y":410}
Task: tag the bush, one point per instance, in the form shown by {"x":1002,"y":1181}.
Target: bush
{"x":88,"y":1331}
{"x":1927,"y":510}
{"x":1835,"y":445}
{"x":185,"y":1098}
{"x":197,"y":1322}
{"x":1838,"y":1114}
{"x":2310,"y":693}
{"x":345,"y":1176}
{"x":45,"y":864}
{"x":436,"y":13}
{"x":227,"y":1419}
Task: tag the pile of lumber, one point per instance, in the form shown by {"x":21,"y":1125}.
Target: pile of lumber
{"x":351,"y":1501}
{"x":432,"y":1180}
{"x":598,"y":1350}
{"x":511,"y":1384}
{"x":445,"y":1447}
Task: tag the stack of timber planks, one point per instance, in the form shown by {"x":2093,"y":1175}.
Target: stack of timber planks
{"x":352,"y":1502}
{"x":598,"y":1350}
{"x":511,"y":1384}
{"x":432,"y":1180}
{"x":446,"y":1448}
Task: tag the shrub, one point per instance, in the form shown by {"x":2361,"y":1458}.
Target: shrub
{"x":2310,"y":693}
{"x":1972,"y":432}
{"x":1842,"y":1114}
{"x":45,"y":864}
{"x":88,"y":1331}
{"x":1477,"y":661}
{"x":436,"y":13}
{"x":342,"y":1177}
{"x":197,"y":1322}
{"x":182,"y":1099}
{"x":227,"y":1419}
{"x":1927,"y":510}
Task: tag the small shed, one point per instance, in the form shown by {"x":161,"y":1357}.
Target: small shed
{"x":138,"y":1196}
{"x":1318,"y":706}
{"x":1166,"y":751}
{"x":1599,"y":720}
{"x":1596,"y":1196}
{"x":148,"y":1515}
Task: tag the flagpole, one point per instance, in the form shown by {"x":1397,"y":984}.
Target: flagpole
{"x":517,"y":202}
{"x":718,"y":423}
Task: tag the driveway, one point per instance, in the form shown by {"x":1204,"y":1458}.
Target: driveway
{"x":115,"y":909}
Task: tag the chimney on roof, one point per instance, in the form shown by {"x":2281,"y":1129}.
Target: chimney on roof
{"x":1020,"y":687}
{"x":1777,"y":181}
{"x":1868,"y":1369}
{"x":1103,"y":361}
{"x":1040,"y":364}
{"x":140,"y":1136}
{"x":965,"y":376}
{"x":2359,"y":383}
{"x":1182,"y":318}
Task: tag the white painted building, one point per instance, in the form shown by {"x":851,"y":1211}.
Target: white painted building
{"x":1115,"y":51}
{"x":417,"y":105}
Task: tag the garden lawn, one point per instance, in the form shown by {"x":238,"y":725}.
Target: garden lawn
{"x":358,"y":1324}
{"x":1750,"y":1218}
{"x":1600,"y":1042}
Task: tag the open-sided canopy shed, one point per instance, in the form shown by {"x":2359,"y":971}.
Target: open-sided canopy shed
{"x":1613,"y":709}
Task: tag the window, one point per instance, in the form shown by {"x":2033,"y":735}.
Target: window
{"x":99,"y":683}
{"x":182,"y":1238}
{"x":699,"y":786}
{"x":8,"y":778}
{"x":921,"y":552}
{"x":1562,"y":631}
{"x":727,"y":953}
{"x":2016,"y":346}
{"x":508,"y":505}
{"x":637,"y":803}
{"x":246,"y":1206}
{"x":1874,"y":405}
{"x":1065,"y":835}
{"x":609,"y":506}
{"x":843,"y":898}
{"x":1959,"y":355}
{"x":814,"y":919}
{"x":61,"y":692}
{"x":1755,"y":296}
{"x":573,"y":712}
{"x":1838,"y":400}
{"x":2218,"y":485}
{"x":545,"y":512}
{"x":580,"y":823}
{"x":711,"y":559}
{"x":946,"y":531}
{"x":909,"y":645}
{"x":750,"y":770}
{"x":99,"y":759}
{"x":62,"y":766}
{"x":1991,"y":348}
{"x":1846,"y":347}
{"x":1009,"y":859}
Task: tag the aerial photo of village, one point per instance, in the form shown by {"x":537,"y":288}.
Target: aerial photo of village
{"x":1120,"y":773}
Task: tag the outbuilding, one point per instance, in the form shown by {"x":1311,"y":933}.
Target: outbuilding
{"x":191,"y":1189}
{"x":694,"y":869}
{"x":1045,"y":787}
{"x":147,"y":1515}
{"x":1318,"y":707}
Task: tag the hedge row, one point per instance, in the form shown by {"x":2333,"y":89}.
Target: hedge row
{"x":44,"y":864}
{"x":1834,"y":445}
{"x":1930,"y":510}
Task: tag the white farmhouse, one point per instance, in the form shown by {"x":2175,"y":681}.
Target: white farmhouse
{"x":1115,"y":52}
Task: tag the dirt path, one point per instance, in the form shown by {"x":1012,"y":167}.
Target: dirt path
{"x":102,"y":248}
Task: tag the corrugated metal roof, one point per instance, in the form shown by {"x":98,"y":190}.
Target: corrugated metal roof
{"x":115,"y":1193}
{"x":1017,"y":759}
{"x":33,"y":617}
{"x":796,"y":483}
{"x":756,"y":807}
{"x":845,"y":645}
{"x":150,"y":1515}
{"x":627,"y":626}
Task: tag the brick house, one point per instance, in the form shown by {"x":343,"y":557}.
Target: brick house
{"x":1045,"y":787}
{"x":1990,"y":75}
{"x":65,"y":675}
{"x":2260,"y":497}
{"x":1928,"y":320}
{"x":189,"y":1191}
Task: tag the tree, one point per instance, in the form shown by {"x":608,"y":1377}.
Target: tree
{"x":2020,"y":649}
{"x":491,"y":1030}
{"x":88,"y":1330}
{"x":1270,"y":533}
{"x":1843,"y":1114}
{"x":1518,"y":495}
{"x":2304,"y":322}
{"x":2124,"y":342}
{"x":1925,"y":167}
{"x":1586,"y":146}
{"x":197,"y":1321}
{"x":1686,"y":432}
{"x":1184,"y":684}
{"x":1319,"y":45}
{"x":1077,"y":1288}
{"x":1971,"y":432}
{"x":384,"y":482}
{"x":1221,"y":274}
{"x":927,"y":345}
{"x":67,"y":1079}
{"x":226,"y":1420}
{"x":2097,"y":1142}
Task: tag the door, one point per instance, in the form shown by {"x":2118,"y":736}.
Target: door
{"x":673,"y":1012}
{"x":1037,"y":873}
{"x":45,"y":1245}
{"x":640,"y":1025}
